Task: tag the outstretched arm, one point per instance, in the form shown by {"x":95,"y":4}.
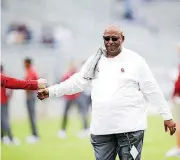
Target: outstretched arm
{"x":75,"y":84}
{"x":13,"y":83}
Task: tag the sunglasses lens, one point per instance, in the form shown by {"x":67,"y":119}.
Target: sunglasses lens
{"x":114,"y":38}
{"x":106,"y":38}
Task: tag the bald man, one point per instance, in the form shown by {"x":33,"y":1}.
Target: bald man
{"x":120,"y":79}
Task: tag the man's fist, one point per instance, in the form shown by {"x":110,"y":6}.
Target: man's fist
{"x":43,"y":93}
{"x":42,"y":83}
{"x":171,"y":125}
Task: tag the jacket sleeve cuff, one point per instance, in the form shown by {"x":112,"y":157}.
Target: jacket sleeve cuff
{"x":52,"y":91}
{"x":167,"y":116}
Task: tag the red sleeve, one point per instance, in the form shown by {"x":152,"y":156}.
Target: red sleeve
{"x":177,"y":86}
{"x":12,"y":83}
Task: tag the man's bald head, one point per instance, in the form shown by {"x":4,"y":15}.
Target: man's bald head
{"x":113,"y":39}
{"x":113,"y":29}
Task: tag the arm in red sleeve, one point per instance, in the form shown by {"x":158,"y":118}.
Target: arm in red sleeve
{"x":177,"y":86}
{"x":12,"y":83}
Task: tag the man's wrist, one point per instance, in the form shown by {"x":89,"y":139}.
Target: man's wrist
{"x":167,"y":118}
{"x":51,"y":91}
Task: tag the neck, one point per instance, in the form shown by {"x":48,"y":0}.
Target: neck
{"x":111,"y":55}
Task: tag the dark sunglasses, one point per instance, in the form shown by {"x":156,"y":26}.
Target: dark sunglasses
{"x":107,"y":38}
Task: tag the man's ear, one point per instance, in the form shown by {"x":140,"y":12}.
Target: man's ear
{"x":123,"y":38}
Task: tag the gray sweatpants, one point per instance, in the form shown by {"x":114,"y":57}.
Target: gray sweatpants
{"x":5,"y":125}
{"x":32,"y":113}
{"x":81,"y":102}
{"x":106,"y":147}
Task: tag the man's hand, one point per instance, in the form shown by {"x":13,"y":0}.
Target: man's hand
{"x":43,"y":93}
{"x":171,"y":125}
{"x":42,"y":83}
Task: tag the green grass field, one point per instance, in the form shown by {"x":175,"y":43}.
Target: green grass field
{"x":50,"y":147}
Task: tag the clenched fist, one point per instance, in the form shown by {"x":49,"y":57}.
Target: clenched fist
{"x":43,"y":93}
{"x":42,"y":83}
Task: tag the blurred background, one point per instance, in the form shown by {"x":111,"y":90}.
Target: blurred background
{"x":56,"y":33}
